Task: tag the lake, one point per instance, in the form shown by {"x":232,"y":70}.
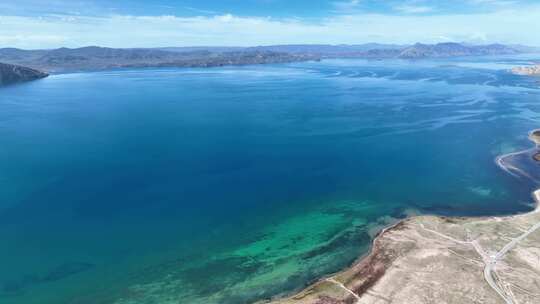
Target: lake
{"x":236,"y":184}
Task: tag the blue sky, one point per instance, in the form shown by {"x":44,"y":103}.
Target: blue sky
{"x":261,"y":8}
{"x":138,"y":23}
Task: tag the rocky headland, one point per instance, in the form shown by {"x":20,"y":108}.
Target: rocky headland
{"x":10,"y":74}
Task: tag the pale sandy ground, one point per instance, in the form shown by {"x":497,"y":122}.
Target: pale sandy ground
{"x":429,"y":259}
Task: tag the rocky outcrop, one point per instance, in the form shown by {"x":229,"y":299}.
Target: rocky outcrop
{"x":10,"y":74}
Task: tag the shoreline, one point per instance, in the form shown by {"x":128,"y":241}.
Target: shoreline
{"x":365,"y":259}
{"x":372,"y":266}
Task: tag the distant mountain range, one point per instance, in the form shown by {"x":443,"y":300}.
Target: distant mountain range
{"x":315,"y":49}
{"x":10,"y":74}
{"x":381,"y":51}
{"x":99,"y":58}
{"x":455,"y":50}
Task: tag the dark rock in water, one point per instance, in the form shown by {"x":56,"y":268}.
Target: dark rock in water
{"x":65,"y":270}
{"x":10,"y":74}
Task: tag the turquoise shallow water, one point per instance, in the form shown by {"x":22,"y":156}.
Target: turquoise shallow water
{"x":234,"y":184}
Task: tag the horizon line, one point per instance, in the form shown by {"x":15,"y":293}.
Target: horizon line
{"x":273,"y":45}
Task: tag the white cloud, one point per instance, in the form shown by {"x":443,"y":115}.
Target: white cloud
{"x":493,"y":2}
{"x":414,"y":9}
{"x":519,"y":26}
{"x":20,"y":40}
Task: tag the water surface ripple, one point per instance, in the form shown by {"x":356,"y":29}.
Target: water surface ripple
{"x":234,"y":184}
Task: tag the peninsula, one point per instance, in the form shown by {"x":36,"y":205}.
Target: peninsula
{"x":434,"y":259}
{"x":10,"y":74}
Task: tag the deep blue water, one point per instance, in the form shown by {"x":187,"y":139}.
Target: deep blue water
{"x":228,"y":185}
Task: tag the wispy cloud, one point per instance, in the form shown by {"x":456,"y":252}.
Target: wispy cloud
{"x":493,"y":2}
{"x":414,"y":9}
{"x":346,"y":6}
{"x":200,"y":11}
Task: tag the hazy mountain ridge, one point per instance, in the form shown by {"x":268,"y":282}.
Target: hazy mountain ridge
{"x":101,"y":58}
{"x":320,"y":49}
{"x":327,"y":49}
{"x":416,"y":51}
{"x":10,"y":74}
{"x":455,"y":50}
{"x":376,"y":50}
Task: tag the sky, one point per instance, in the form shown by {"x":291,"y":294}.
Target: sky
{"x":38,"y":24}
